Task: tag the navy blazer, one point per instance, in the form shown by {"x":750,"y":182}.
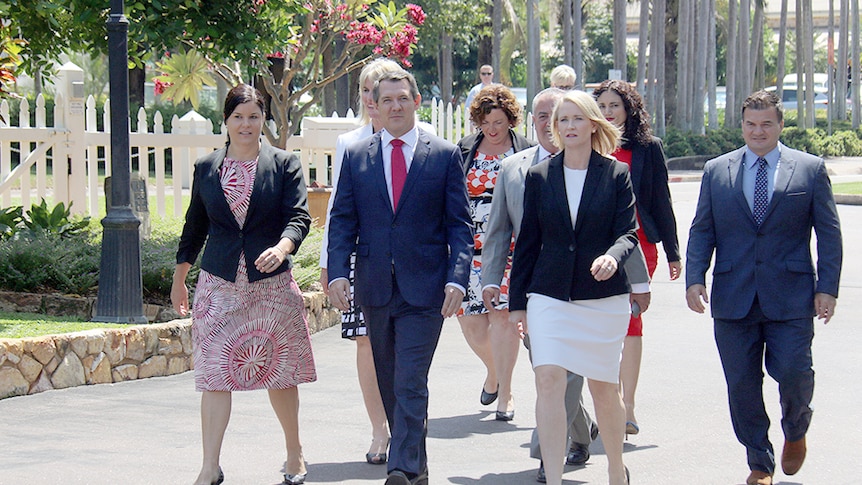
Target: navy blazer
{"x":278,"y":208}
{"x":551,"y":257}
{"x":470,"y":144}
{"x":426,"y":243}
{"x":650,"y":184}
{"x":772,"y":261}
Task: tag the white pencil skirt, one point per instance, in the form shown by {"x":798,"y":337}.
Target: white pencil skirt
{"x":583,"y":336}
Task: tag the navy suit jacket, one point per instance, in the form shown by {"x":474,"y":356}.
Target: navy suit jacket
{"x":426,"y":243}
{"x":278,"y":208}
{"x":772,"y":261}
{"x":650,"y":183}
{"x":551,"y":257}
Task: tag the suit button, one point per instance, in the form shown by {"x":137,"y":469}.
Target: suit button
{"x":240,"y":235}
{"x":571,"y":248}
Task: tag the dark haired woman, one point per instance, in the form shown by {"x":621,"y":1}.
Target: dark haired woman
{"x":623,"y":106}
{"x":249,"y":330}
{"x":495,"y":111}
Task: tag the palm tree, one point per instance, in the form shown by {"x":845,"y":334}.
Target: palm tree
{"x":620,"y":37}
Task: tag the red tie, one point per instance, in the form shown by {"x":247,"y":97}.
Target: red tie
{"x":399,"y":171}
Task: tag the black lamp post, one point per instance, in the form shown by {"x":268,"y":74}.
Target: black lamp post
{"x":120,"y":289}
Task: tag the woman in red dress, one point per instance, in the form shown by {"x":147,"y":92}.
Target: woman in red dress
{"x":623,"y":106}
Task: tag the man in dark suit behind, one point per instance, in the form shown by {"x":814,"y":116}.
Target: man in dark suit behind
{"x":756,"y":210}
{"x":413,"y":253}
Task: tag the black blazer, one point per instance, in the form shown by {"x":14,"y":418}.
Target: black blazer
{"x":553,"y":259}
{"x":650,"y":183}
{"x":278,"y":208}
{"x":470,"y":144}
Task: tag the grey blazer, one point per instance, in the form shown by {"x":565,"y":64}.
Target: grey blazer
{"x":507,"y":210}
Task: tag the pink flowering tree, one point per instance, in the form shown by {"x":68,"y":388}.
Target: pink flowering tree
{"x":307,"y":45}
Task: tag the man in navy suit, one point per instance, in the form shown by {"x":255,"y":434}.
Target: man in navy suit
{"x":756,"y":210}
{"x":413,"y":254}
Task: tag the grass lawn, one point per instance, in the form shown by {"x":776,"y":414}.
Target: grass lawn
{"x":18,"y":325}
{"x":847,"y":188}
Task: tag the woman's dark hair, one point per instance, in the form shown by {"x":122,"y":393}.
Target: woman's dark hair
{"x":495,"y":96}
{"x":242,"y":93}
{"x":637,"y":129}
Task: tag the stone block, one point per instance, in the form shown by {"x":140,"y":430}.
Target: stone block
{"x":115,"y":347}
{"x":69,"y":373}
{"x":42,"y":384}
{"x":126,"y":372}
{"x":95,"y":341}
{"x":177,"y":365}
{"x":168,"y":346}
{"x":153,"y":367}
{"x":186,"y":340}
{"x":12,"y":383}
{"x":30,"y":368}
{"x":135,"y":345}
{"x":167,"y":314}
{"x":14,"y":349}
{"x":100,"y":370}
{"x":20,"y":302}
{"x":62,"y":343}
{"x":151,"y":340}
{"x":60,"y":305}
{"x":42,"y":349}
{"x":2,"y":353}
{"x":78,"y":343}
{"x":151,"y":312}
{"x":52,"y":366}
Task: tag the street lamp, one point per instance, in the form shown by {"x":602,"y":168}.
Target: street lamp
{"x":120,"y":297}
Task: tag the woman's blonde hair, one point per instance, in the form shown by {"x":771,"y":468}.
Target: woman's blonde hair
{"x":372,"y":71}
{"x":604,"y":139}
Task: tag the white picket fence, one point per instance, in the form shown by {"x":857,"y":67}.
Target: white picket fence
{"x":79,"y":155}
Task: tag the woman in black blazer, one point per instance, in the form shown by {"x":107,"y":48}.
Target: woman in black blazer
{"x":623,"y":106}
{"x":495,"y":111}
{"x":568,"y":288}
{"x":249,"y":331}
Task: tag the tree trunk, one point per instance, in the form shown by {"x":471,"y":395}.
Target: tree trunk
{"x":660,"y":13}
{"x":620,"y":38}
{"x":843,"y":71}
{"x":566,"y":19}
{"x":656,"y":25}
{"x":342,"y":85}
{"x":800,"y":65}
{"x":854,"y":78}
{"x":757,"y":64}
{"x":731,"y":104}
{"x":782,"y":51}
{"x":577,"y":29}
{"x":701,"y":32}
{"x":446,"y":78}
{"x":744,"y":50}
{"x":682,"y":116}
{"x":497,"y":26}
{"x":808,"y":38}
{"x":329,"y":105}
{"x":534,"y":59}
{"x":711,"y":66}
{"x":643,"y":31}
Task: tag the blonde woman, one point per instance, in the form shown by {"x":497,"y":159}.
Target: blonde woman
{"x":569,"y":290}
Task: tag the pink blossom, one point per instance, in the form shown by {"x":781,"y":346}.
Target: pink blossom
{"x":415,"y":13}
{"x":159,"y":86}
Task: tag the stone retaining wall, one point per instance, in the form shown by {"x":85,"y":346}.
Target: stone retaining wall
{"x":129,"y":352}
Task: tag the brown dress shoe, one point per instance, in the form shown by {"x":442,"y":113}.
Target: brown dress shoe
{"x":758,"y":477}
{"x":793,"y":456}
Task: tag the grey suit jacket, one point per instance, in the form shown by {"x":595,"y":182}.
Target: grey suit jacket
{"x":507,"y":209}
{"x":773,"y":261}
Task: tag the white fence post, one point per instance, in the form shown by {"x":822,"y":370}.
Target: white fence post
{"x":5,"y":154}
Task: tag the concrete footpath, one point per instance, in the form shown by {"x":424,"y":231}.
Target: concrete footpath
{"x":147,"y":432}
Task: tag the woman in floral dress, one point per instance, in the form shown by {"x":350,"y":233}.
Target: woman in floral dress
{"x":495,"y":111}
{"x":249,"y":330}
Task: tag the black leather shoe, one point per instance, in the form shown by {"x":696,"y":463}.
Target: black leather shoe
{"x":505,"y":415}
{"x":578,"y":455}
{"x":540,"y":475}
{"x":487,"y":398}
{"x":594,"y":431}
{"x":397,"y":477}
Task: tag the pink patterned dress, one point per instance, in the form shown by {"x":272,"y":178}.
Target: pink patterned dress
{"x":249,"y":335}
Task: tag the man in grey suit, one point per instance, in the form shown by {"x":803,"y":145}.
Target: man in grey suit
{"x":507,"y":209}
{"x":756,"y":209}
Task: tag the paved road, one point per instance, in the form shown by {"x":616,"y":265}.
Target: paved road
{"x":147,"y":432}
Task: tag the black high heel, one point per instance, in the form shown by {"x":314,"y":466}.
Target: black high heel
{"x":628,"y":478}
{"x":487,"y":397}
{"x":297,"y":479}
{"x":378,"y":458}
{"x":220,"y":478}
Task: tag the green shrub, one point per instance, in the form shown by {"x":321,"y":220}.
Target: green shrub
{"x":57,"y":221}
{"x":811,"y":140}
{"x":45,"y":262}
{"x":10,"y":219}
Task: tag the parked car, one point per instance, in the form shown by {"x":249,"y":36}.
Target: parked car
{"x":790,"y":95}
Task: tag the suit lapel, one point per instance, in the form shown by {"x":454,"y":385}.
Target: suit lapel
{"x":420,"y":157}
{"x":784,"y":172}
{"x":375,"y":166}
{"x":263,"y":174}
{"x":557,"y":181}
{"x":637,"y":166}
{"x":595,"y":172}
{"x":735,"y":174}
